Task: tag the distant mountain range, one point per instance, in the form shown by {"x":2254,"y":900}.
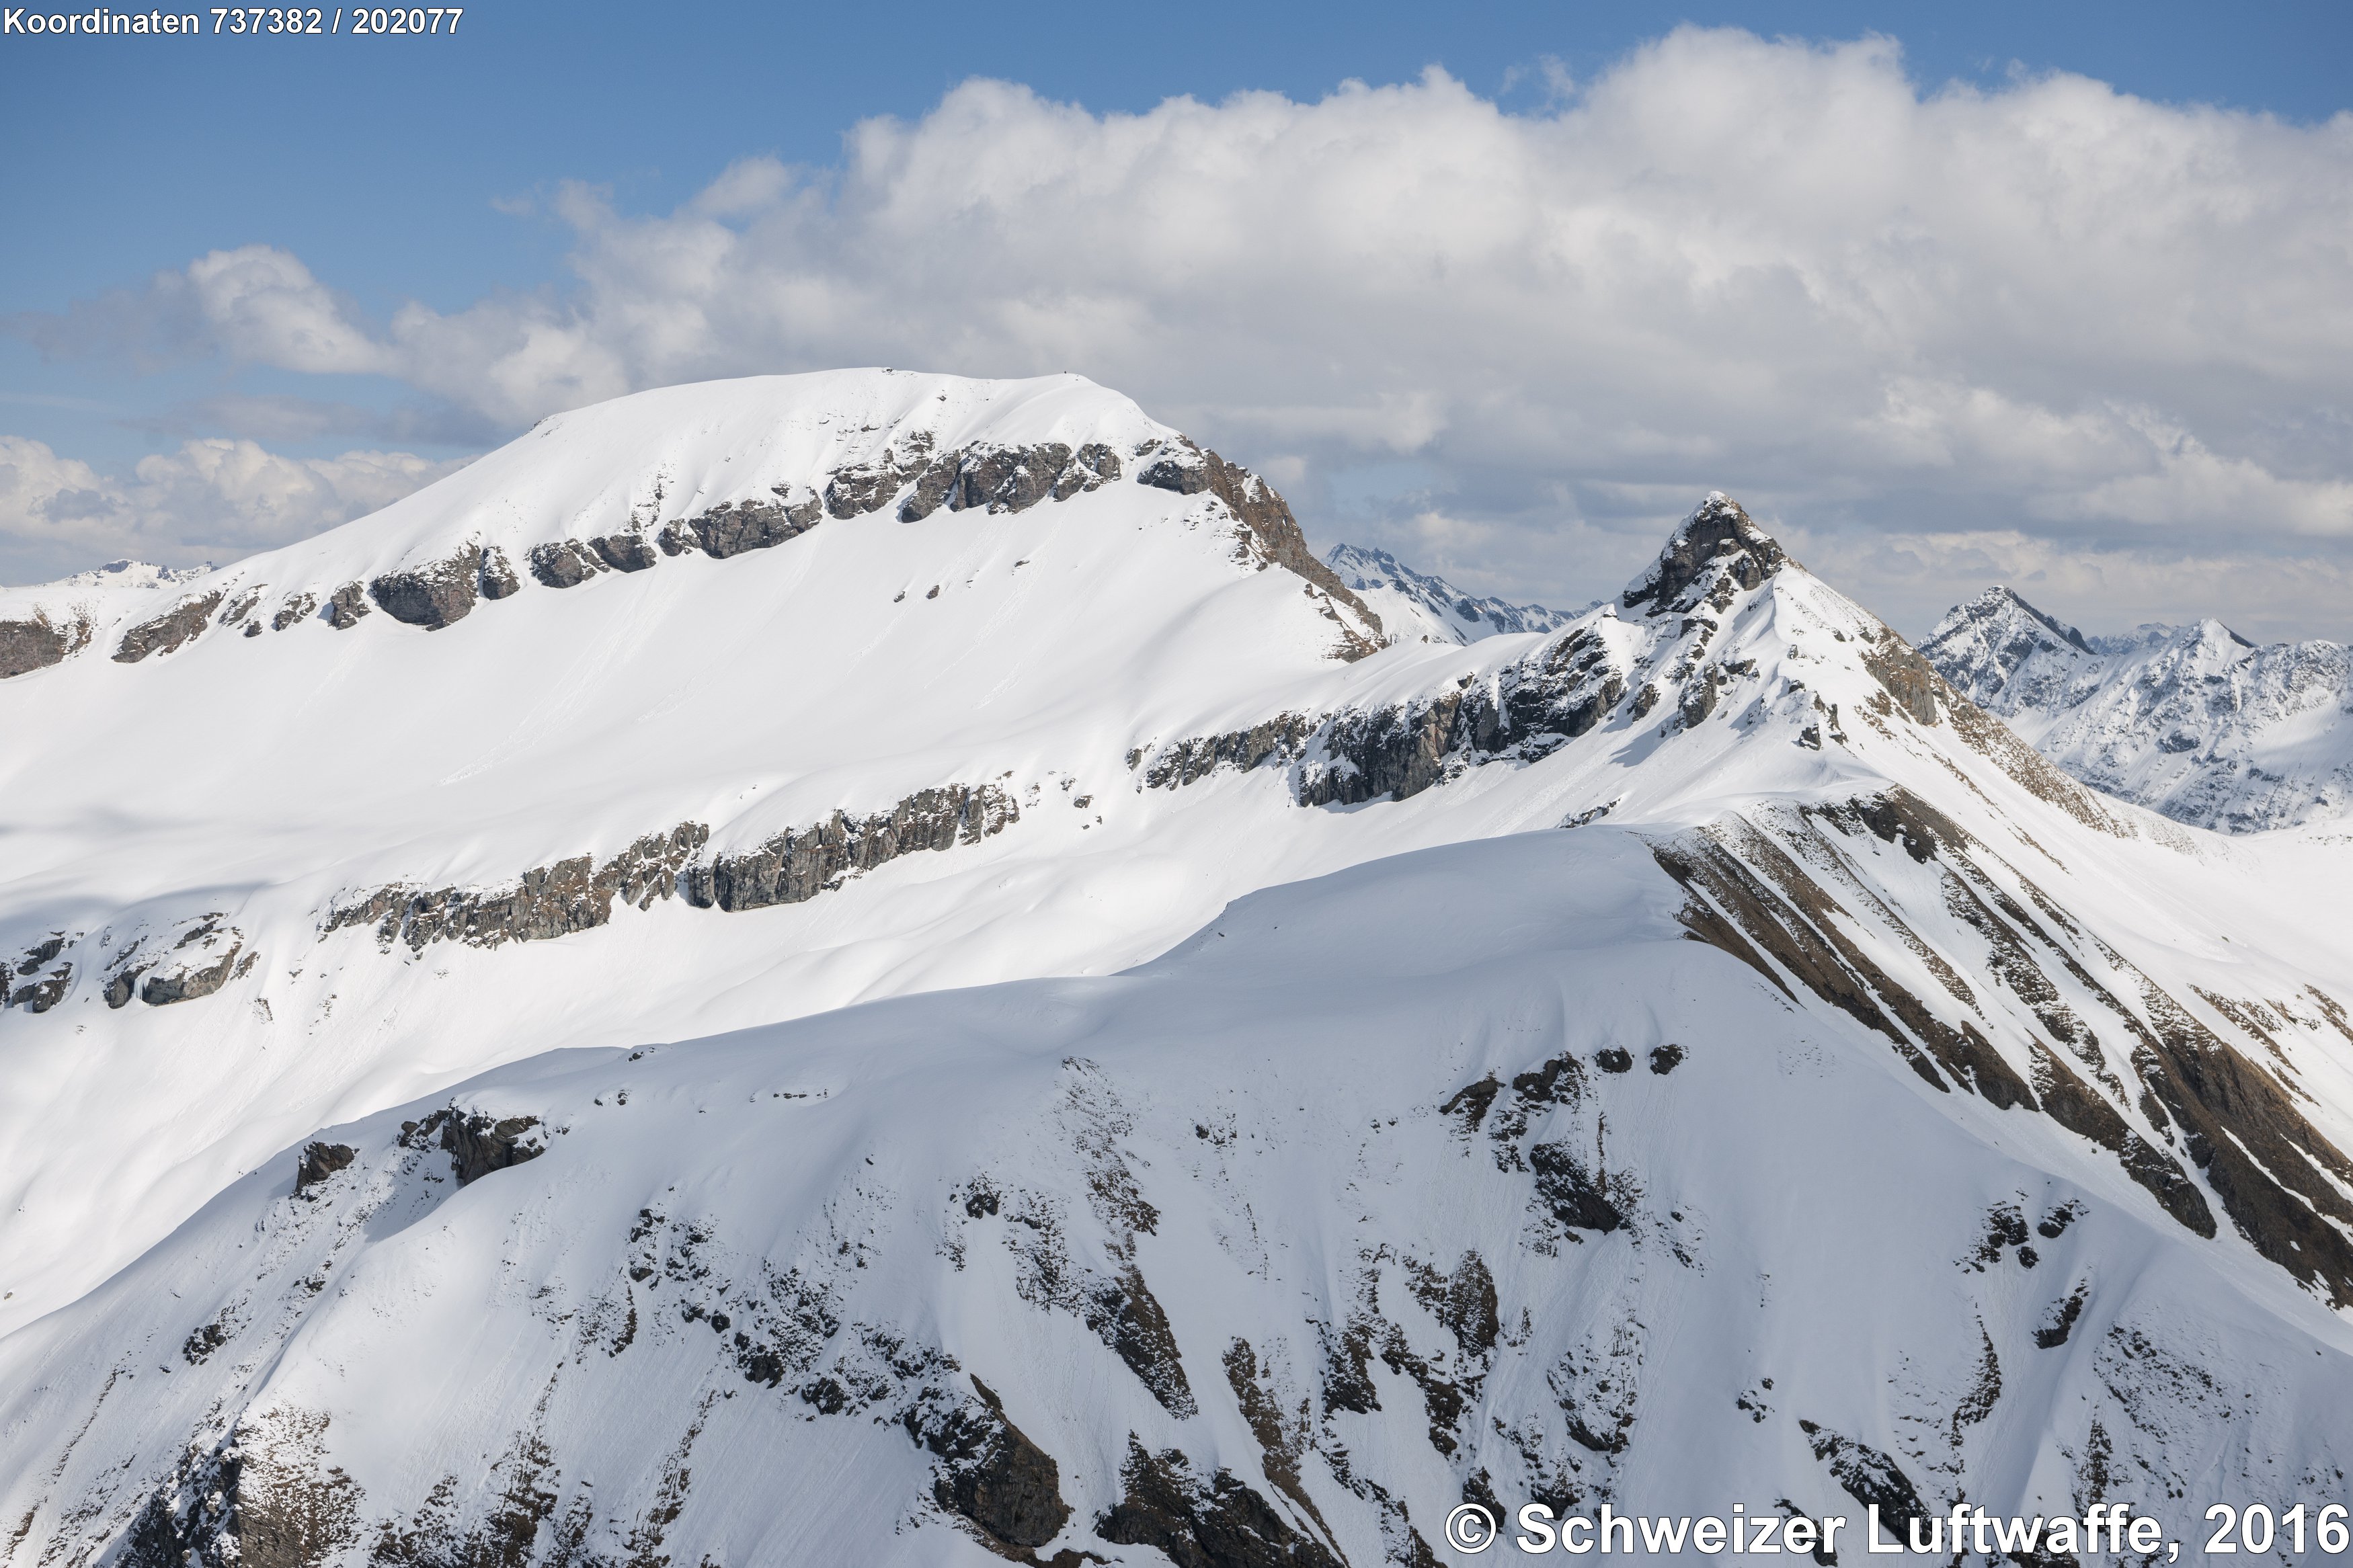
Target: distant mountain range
{"x":1418,"y":606}
{"x":2195,"y":722}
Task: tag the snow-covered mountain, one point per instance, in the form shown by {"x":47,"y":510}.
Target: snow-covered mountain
{"x":2194,"y":721}
{"x":1417,"y":605}
{"x":42,"y":624}
{"x":879,"y":968}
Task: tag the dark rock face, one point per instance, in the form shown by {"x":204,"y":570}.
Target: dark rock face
{"x":186,"y":983}
{"x":626,"y":552}
{"x":346,"y":605}
{"x":1910,"y":680}
{"x":1714,"y":555}
{"x":477,"y":1145}
{"x":292,"y":610}
{"x":261,"y":1497}
{"x":575,"y":894}
{"x":1132,"y":1321}
{"x":798,"y":865}
{"x":30,"y":645}
{"x":1007,"y":479}
{"x":181,"y":623}
{"x":563,"y":563}
{"x":992,"y":1476}
{"x":431,"y":596}
{"x":321,"y":1161}
{"x":1533,"y":708}
{"x":1215,"y":1523}
{"x":1577,"y":1197}
{"x":1870,"y":1476}
{"x":44,"y":993}
{"x":857,"y":488}
{"x":498,"y":578}
{"x":745,"y":525}
{"x":121,"y":986}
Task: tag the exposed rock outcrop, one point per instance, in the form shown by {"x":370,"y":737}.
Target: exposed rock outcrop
{"x":186,"y":979}
{"x":319,"y":1160}
{"x":478,"y":1146}
{"x":1715,"y":553}
{"x":572,"y":895}
{"x":991,"y":1475}
{"x":800,"y":864}
{"x":498,"y":579}
{"x":261,"y":1496}
{"x":1272,"y":536}
{"x":564,"y":564}
{"x":40,"y":995}
{"x":744,"y":525}
{"x":175,"y":627}
{"x":346,"y":605}
{"x":434,"y":595}
{"x":1528,"y":710}
{"x":31,"y":645}
{"x":627,"y":551}
{"x":1219,"y":1523}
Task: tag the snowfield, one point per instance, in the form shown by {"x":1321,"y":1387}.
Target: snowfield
{"x":879,"y":968}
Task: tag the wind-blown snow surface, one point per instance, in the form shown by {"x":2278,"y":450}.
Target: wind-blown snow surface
{"x":1420,"y":605}
{"x":2194,"y":721}
{"x":1848,"y":1106}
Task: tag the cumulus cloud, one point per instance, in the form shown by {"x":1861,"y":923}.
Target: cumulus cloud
{"x":216,"y":499}
{"x":1775,"y":268}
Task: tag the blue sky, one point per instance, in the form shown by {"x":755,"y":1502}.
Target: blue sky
{"x":435,"y":170}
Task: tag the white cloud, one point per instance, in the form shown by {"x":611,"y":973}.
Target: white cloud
{"x":1768,"y":267}
{"x":210,"y":499}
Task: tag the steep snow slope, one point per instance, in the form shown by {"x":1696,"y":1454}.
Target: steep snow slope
{"x":2194,"y":721}
{"x":1844,"y":1043}
{"x":1418,"y":606}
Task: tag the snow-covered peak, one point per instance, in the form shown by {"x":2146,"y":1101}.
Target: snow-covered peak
{"x":1714,"y":553}
{"x":718,"y":469}
{"x":129,"y":573}
{"x":1998,"y":647}
{"x":1422,"y":607}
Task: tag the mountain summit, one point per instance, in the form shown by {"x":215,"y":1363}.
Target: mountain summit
{"x":1294,"y":1084}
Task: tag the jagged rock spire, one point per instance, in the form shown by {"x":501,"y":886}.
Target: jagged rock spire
{"x":1714,"y":553}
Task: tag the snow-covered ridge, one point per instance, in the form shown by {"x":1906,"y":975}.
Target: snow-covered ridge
{"x":718,"y":468}
{"x":2195,"y":722}
{"x":1420,"y":605}
{"x":1298,"y":1092}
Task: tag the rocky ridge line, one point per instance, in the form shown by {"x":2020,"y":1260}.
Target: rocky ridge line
{"x":982,"y":476}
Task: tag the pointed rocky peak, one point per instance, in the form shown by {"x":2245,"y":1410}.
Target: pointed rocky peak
{"x":1714,"y":553}
{"x":2005,"y":610}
